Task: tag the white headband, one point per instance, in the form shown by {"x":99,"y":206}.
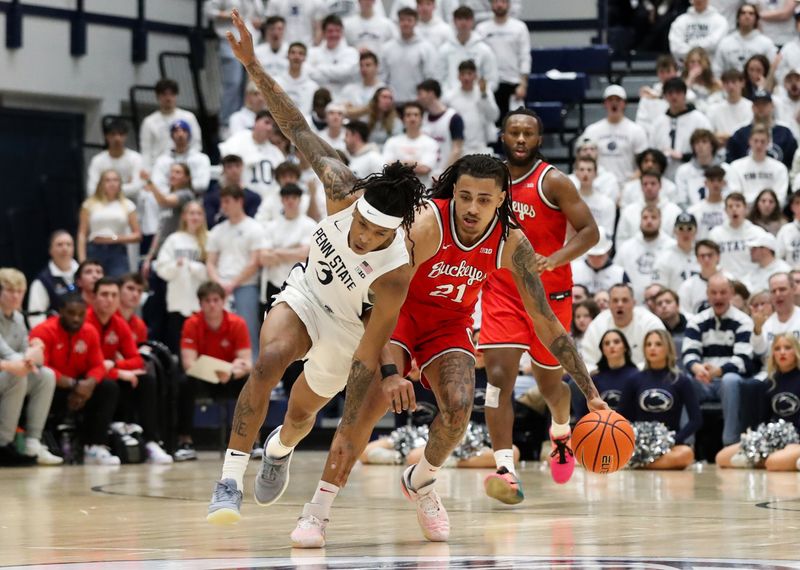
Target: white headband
{"x":372,"y":214}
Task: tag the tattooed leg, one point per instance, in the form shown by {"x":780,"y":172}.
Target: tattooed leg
{"x":283,"y":340}
{"x":452,"y":378}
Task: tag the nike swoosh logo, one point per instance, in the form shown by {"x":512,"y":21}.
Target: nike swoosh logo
{"x":238,"y":454}
{"x":326,"y":491}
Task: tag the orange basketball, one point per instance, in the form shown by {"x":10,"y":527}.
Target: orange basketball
{"x":603,"y":441}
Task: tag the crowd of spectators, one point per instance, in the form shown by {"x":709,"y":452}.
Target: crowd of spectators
{"x":697,"y":194}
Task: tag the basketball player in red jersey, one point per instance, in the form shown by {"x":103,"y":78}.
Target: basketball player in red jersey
{"x":545,"y":202}
{"x":464,"y":235}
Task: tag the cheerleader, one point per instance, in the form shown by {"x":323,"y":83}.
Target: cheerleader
{"x":657,"y":395}
{"x":767,"y":446}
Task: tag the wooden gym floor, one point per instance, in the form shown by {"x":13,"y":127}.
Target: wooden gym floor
{"x":144,"y":516}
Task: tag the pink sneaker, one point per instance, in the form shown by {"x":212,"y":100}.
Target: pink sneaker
{"x":504,"y":486}
{"x":431,"y":516}
{"x":562,"y":459}
{"x":310,"y":530}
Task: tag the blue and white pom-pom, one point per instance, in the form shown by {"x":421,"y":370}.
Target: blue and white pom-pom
{"x":475,"y":439}
{"x":767,"y":438}
{"x":653,"y":439}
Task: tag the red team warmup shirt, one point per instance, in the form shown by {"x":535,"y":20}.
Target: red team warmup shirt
{"x":504,"y":321}
{"x":75,"y":355}
{"x":223,"y":343}
{"x":116,"y":342}
{"x":138,"y":328}
{"x":437,"y":315}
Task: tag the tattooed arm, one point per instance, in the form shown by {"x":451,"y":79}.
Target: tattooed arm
{"x":520,"y":259}
{"x":337,"y":179}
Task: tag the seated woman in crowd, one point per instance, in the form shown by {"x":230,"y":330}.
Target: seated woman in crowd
{"x":107,"y":224}
{"x":181,"y":263}
{"x":782,"y":390}
{"x":382,"y":118}
{"x":756,"y":72}
{"x":614,"y":369}
{"x":583,"y":314}
{"x":766,"y":212}
{"x":700,"y":78}
{"x":658,"y":394}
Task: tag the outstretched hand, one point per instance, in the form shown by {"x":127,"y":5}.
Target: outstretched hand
{"x":243,"y":47}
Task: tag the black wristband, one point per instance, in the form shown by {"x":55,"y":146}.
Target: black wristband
{"x":388,"y":370}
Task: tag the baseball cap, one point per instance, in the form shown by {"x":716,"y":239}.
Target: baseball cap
{"x":603,"y":245}
{"x":180,"y":124}
{"x":766,"y":239}
{"x":793,"y":71}
{"x":685,"y":219}
{"x":761,"y":95}
{"x":615,"y":91}
{"x":584,"y":141}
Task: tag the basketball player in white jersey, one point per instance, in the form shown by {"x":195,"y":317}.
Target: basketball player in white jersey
{"x":358,"y":261}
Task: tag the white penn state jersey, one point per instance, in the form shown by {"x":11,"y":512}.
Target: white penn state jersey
{"x":337,"y":278}
{"x":439,"y":130}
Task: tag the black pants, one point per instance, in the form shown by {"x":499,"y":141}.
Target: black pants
{"x":140,"y":405}
{"x":503,"y":93}
{"x":97,"y":413}
{"x":154,"y":311}
{"x":174,"y":329}
{"x":188,"y":390}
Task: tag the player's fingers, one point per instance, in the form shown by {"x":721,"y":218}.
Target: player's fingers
{"x":412,"y":400}
{"x":396,"y":403}
{"x":403,"y":399}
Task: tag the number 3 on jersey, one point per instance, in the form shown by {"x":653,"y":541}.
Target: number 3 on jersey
{"x":446,"y":290}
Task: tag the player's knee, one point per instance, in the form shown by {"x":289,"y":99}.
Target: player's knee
{"x":299,"y":417}
{"x":455,"y":413}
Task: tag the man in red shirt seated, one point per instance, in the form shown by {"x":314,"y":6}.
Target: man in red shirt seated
{"x":138,"y":390}
{"x":212,"y":331}
{"x":72,"y":351}
{"x":131,"y":287}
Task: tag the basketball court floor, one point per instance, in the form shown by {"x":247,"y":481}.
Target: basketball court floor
{"x":142,"y":517}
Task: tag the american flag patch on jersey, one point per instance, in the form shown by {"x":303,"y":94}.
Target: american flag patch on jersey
{"x":366,"y":267}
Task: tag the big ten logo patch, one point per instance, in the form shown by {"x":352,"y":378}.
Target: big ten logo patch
{"x":606,"y":463}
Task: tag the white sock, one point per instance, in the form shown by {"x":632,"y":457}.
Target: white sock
{"x":235,"y":465}
{"x":323,"y":499}
{"x":505,"y":458}
{"x":275,"y":449}
{"x":559,"y":430}
{"x":422,"y":474}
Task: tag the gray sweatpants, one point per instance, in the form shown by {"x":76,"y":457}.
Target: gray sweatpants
{"x":39,"y":386}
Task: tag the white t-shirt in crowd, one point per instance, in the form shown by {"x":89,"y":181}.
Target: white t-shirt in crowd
{"x":786,"y":112}
{"x":235,"y":243}
{"x":275,"y":63}
{"x":728,"y":118}
{"x":337,"y":142}
{"x":358,"y":94}
{"x":368,"y":34}
{"x":407,"y":63}
{"x":366,"y":161}
{"x":630,"y":218}
{"x":632,"y":191}
{"x":708,"y":215}
{"x":758,"y":279}
{"x":128,"y":166}
{"x":281,"y":233}
{"x":735,"y":49}
{"x":108,"y":219}
{"x":751,"y":177}
{"x":300,"y":16}
{"x":422,"y":149}
{"x":690,"y":180}
{"x":300,"y":90}
{"x":773,"y":327}
{"x":670,"y":132}
{"x":693,"y":294}
{"x":154,"y":133}
{"x":781,"y":32}
{"x":241,"y":120}
{"x":618,"y":144}
{"x":673,"y":266}
{"x":638,"y":256}
{"x":333,"y":68}
{"x":734,"y":248}
{"x":260,"y":161}
{"x":479,"y":113}
{"x":643,"y":321}
{"x":602,"y":208}
{"x":511,"y":44}
{"x":180,"y":264}
{"x":789,"y":243}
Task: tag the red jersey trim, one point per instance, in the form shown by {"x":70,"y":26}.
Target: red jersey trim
{"x":454,"y":234}
{"x":540,"y":189}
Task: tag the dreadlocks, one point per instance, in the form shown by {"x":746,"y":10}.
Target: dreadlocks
{"x":397,"y":192}
{"x":479,"y":166}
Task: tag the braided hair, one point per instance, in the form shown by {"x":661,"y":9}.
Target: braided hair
{"x":479,"y":166}
{"x":396,"y":191}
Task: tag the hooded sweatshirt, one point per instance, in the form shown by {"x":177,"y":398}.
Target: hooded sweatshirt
{"x":694,"y":29}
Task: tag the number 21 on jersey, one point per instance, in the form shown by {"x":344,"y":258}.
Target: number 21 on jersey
{"x":446,"y":290}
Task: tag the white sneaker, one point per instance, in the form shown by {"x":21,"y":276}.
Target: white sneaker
{"x":34,"y":448}
{"x":156,"y":455}
{"x":99,"y":455}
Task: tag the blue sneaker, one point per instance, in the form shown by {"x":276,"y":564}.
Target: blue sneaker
{"x":225,"y":503}
{"x":273,"y":475}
